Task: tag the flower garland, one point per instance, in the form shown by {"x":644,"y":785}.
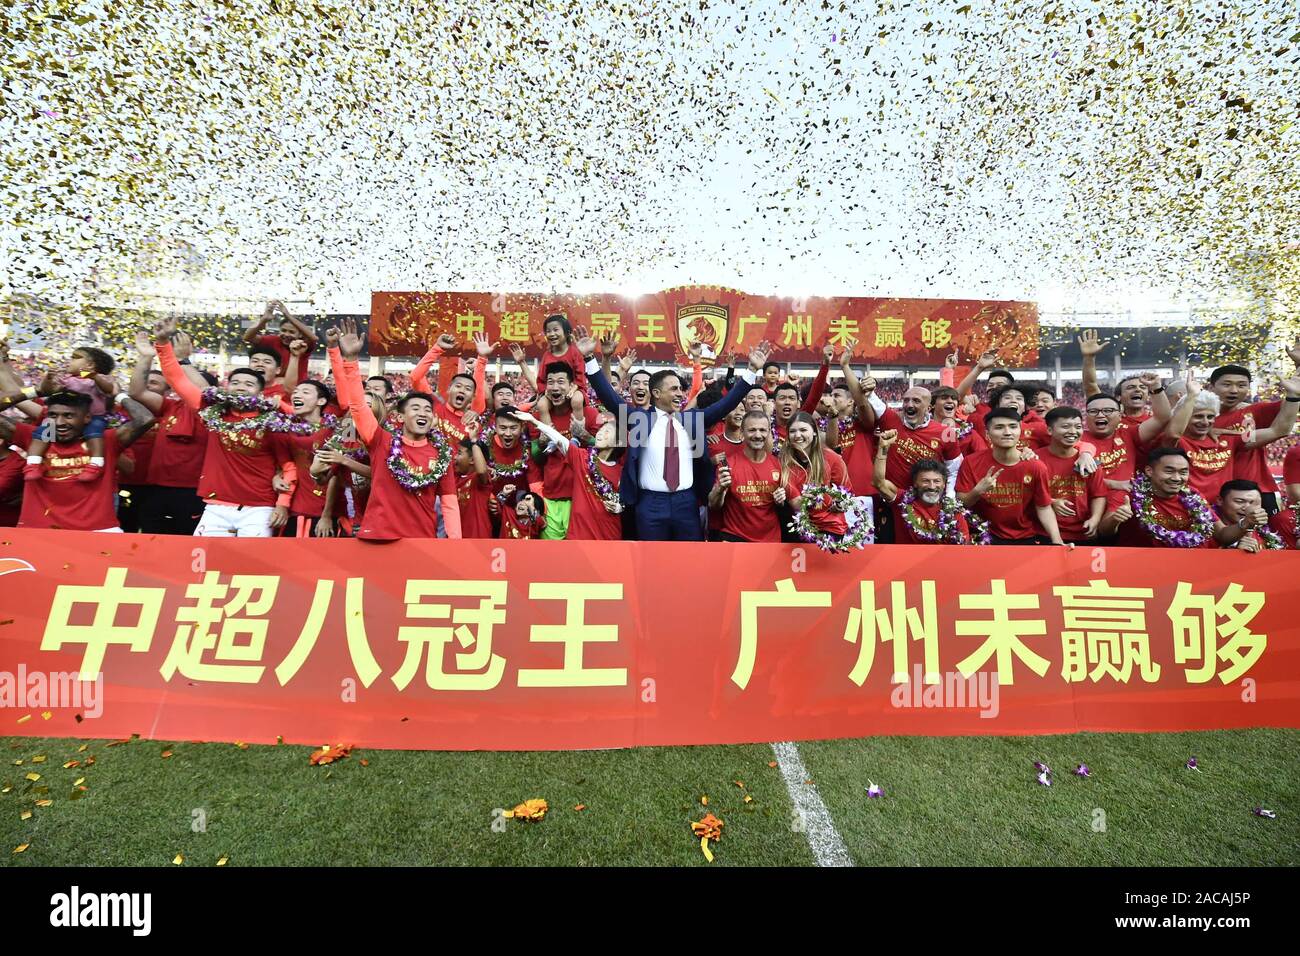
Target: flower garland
{"x":417,"y":479}
{"x":1202,"y":518}
{"x":1272,"y":540}
{"x":601,"y":485}
{"x":514,"y":469}
{"x":218,"y":402}
{"x":947,"y":530}
{"x":861,"y":533}
{"x":964,"y":427}
{"x":339,"y":442}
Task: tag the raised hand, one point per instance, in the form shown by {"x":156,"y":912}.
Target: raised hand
{"x":1294,"y":352}
{"x":724,"y":476}
{"x":472,"y":426}
{"x":886,"y":438}
{"x":446,"y":342}
{"x":696,"y":350}
{"x":758,"y":355}
{"x":846,"y":357}
{"x":867,"y":382}
{"x":609,"y":344}
{"x":828,"y":354}
{"x":585,"y":342}
{"x":1193,"y":386}
{"x":1291,"y":385}
{"x":1090,"y":343}
{"x":517,"y":353}
{"x":143,"y":346}
{"x":350,"y":341}
{"x":988,"y":482}
{"x":483,"y":346}
{"x":1151,"y":380}
{"x":987,"y":360}
{"x":332,"y":337}
{"x":627,"y":361}
{"x":951,"y":360}
{"x":182,"y":345}
{"x":299,"y":347}
{"x":163,"y":330}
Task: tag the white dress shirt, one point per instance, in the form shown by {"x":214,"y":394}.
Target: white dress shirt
{"x":651,"y":477}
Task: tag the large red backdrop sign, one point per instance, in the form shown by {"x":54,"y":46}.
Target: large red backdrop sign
{"x":661,"y":326}
{"x":554,"y":645}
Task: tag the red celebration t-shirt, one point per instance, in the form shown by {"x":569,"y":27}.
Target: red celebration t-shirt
{"x":59,"y":500}
{"x":1251,"y":463}
{"x":913,"y":445}
{"x":1064,"y":482}
{"x":179,"y":448}
{"x":392,"y":512}
{"x":1009,"y":507}
{"x":589,"y":521}
{"x":1170,"y":514}
{"x":928,"y":518}
{"x":837,"y":473}
{"x":748,"y":511}
{"x":239,"y":465}
{"x":1212,"y":462}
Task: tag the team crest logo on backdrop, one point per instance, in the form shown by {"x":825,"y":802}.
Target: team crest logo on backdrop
{"x":705,"y":322}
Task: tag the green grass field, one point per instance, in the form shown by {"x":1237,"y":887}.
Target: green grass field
{"x":948,"y":801}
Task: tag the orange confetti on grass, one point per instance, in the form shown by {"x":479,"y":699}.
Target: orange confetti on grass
{"x":71,"y":763}
{"x":82,"y":748}
{"x":748,"y":798}
{"x":241,"y":745}
{"x":739,"y":783}
{"x":530,"y":810}
{"x":329,"y":754}
{"x":79,"y":781}
{"x":704,"y":800}
{"x":21,"y":847}
{"x":771,"y":763}
{"x":25,"y":815}
{"x":118,"y":743}
{"x":581,"y":806}
{"x":165,"y":754}
{"x":708,"y":828}
{"x":44,"y":803}
{"x":365,"y":762}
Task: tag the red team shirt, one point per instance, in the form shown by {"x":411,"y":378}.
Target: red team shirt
{"x":11,"y":486}
{"x":1251,"y":463}
{"x":914,"y":445}
{"x":557,"y":476}
{"x":475,"y":518}
{"x":1009,"y":506}
{"x":1291,"y":466}
{"x":178,"y":450}
{"x":239,"y":466}
{"x":1170,"y":514}
{"x":273,"y":343}
{"x":858,"y":449}
{"x":1064,"y":482}
{"x":1213,"y":461}
{"x":928,"y":516}
{"x":589,"y":521}
{"x":59,"y":500}
{"x":308,"y":495}
{"x":748,"y":511}
{"x":392,"y":512}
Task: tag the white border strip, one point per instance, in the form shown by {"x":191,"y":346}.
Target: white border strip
{"x":823,"y":839}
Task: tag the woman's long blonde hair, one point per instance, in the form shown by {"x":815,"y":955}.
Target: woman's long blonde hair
{"x":815,"y":464}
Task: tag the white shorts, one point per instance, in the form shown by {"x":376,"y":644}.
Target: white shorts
{"x":246,"y":521}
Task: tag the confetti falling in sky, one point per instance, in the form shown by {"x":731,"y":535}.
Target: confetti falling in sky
{"x":322,"y":150}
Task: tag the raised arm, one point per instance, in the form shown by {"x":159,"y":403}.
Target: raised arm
{"x":982,"y":364}
{"x":1161,"y":410}
{"x":561,"y":442}
{"x":484,"y":349}
{"x":818,"y":385}
{"x":587,"y":349}
{"x":525,"y":370}
{"x":190,"y":393}
{"x":140,"y":421}
{"x":420,"y":374}
{"x":1089,"y":346}
{"x":1176,"y":426}
{"x":138,"y":388}
{"x":736,"y":394}
{"x":304,"y":330}
{"x":1285,"y":420}
{"x":344,"y":349}
{"x":948,"y":374}
{"x":254,"y":332}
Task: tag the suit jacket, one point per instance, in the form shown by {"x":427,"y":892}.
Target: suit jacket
{"x":640,"y":421}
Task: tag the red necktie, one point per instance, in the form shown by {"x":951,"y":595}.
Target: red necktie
{"x":672,"y":466}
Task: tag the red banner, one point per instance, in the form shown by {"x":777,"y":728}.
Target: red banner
{"x":488,"y":645}
{"x":662,"y":326}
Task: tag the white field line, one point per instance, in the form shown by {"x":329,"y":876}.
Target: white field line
{"x":823,"y":839}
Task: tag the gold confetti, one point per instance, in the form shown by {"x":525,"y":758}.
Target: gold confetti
{"x":44,"y":803}
{"x":25,"y":815}
{"x":178,"y":859}
{"x":21,"y":847}
{"x":24,"y":718}
{"x":39,"y":758}
{"x":33,"y":776}
{"x":222,"y":861}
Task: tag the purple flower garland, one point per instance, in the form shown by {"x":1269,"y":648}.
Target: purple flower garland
{"x":860,"y":534}
{"x":947,"y":530}
{"x":1202,"y":518}
{"x":599,"y":483}
{"x":218,"y":402}
{"x":417,"y":479}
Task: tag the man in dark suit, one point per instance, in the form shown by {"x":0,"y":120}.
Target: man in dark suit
{"x":667,"y":472}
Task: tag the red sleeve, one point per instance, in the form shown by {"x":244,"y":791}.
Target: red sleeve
{"x":479,"y":402}
{"x":697,"y":382}
{"x":1291,"y":466}
{"x":591,"y":417}
{"x":1264,"y":413}
{"x":966,"y":479}
{"x":889,"y":420}
{"x":815,"y":390}
{"x":420,"y":374}
{"x":950,"y":449}
{"x":176,"y":377}
{"x":1042,"y":496}
{"x":23,"y":434}
{"x":837,"y":471}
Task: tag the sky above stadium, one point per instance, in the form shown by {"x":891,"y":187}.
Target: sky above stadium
{"x":1100,"y":154}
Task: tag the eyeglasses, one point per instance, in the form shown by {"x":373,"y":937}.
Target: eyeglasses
{"x":1102,"y":411}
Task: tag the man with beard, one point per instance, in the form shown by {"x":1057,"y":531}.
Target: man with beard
{"x":917,"y":513}
{"x":502,"y":466}
{"x":919,"y":437}
{"x":1215,"y":458}
{"x":1007,"y":490}
{"x":748,"y":486}
{"x":241,"y":456}
{"x":1232,"y":383}
{"x":1079,"y":501}
{"x":1164,"y":513}
{"x":410,"y":470}
{"x":172,"y":504}
{"x":58,"y":497}
{"x":1239,"y":501}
